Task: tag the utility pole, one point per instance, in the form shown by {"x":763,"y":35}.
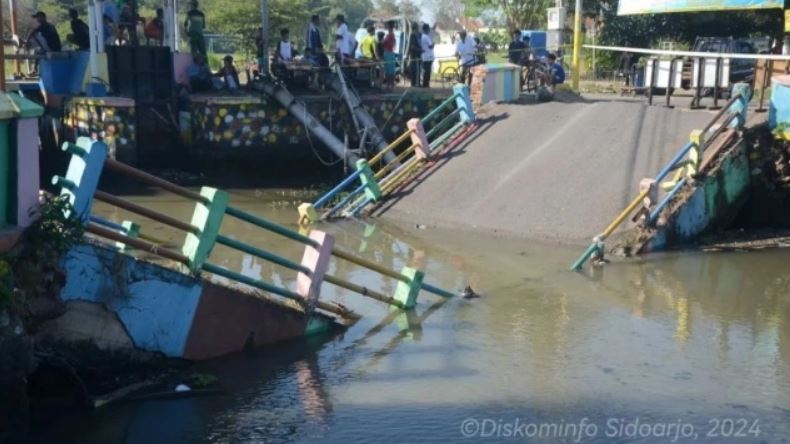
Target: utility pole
{"x":264,"y":55}
{"x":577,"y":44}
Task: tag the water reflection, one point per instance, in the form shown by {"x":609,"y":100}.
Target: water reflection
{"x":674,"y":336}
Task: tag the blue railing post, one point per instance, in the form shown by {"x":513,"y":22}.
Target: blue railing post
{"x":464,"y":101}
{"x":83,"y":174}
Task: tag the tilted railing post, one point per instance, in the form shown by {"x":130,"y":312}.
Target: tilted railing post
{"x":407,"y":291}
{"x":372,"y":190}
{"x":463,"y":101}
{"x":83,"y":174}
{"x":419,"y":138}
{"x":315,"y":259}
{"x":207,"y":219}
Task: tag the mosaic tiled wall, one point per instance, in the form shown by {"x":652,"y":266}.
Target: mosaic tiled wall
{"x":111,"y":120}
{"x":253,"y":122}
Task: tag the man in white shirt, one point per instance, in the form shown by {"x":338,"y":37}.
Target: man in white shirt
{"x":426,"y":44}
{"x":345,"y":41}
{"x":465,"y":51}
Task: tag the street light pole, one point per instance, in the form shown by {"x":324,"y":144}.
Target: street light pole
{"x":577,"y":43}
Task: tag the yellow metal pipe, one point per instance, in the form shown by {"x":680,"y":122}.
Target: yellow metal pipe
{"x":382,"y":172}
{"x":624,"y":215}
{"x":577,"y":45}
{"x":363,"y":291}
{"x":369,"y":265}
{"x":402,"y":138}
{"x":394,"y":181}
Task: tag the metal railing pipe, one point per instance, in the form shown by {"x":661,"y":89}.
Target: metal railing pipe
{"x":136,"y":243}
{"x":150,"y":179}
{"x":333,"y":192}
{"x":143,"y":211}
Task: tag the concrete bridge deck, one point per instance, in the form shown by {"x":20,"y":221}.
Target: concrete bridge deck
{"x":557,"y":171}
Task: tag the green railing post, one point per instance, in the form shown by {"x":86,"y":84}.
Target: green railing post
{"x":367,"y":178}
{"x":207,"y":218}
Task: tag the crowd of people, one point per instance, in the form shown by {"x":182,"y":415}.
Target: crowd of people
{"x":121,"y":25}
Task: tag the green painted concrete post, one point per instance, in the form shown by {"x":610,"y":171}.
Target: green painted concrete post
{"x":207,"y":218}
{"x":372,"y":190}
{"x":406,"y":292}
{"x":130,"y":229}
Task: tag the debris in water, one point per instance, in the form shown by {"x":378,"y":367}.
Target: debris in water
{"x":468,"y":293}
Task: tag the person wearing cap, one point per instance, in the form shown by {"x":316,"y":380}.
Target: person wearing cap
{"x":229,"y":74}
{"x":194,"y":26}
{"x":45,"y":36}
{"x":80,"y":36}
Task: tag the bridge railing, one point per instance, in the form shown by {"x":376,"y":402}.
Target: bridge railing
{"x":373,"y":180}
{"x":203,"y":233}
{"x":688,"y":164}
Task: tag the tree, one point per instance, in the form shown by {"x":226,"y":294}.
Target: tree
{"x":387,"y":8}
{"x":410,"y":10}
{"x":447,"y":12}
{"x":519,"y":14}
{"x":355,"y":10}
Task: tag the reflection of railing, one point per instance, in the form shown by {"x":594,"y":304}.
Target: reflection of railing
{"x":375,"y":179}
{"x":203,"y":233}
{"x":690,"y":162}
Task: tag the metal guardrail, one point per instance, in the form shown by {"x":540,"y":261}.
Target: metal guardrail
{"x":203,"y":233}
{"x":686,"y":164}
{"x":374,"y":181}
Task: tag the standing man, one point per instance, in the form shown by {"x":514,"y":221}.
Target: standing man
{"x":313,"y":36}
{"x":194,"y":26}
{"x":516,"y":49}
{"x":465,"y":51}
{"x":415,"y":55}
{"x":128,"y":21}
{"x":80,"y":35}
{"x":426,"y":45}
{"x":390,"y":61}
{"x":368,"y":45}
{"x":155,"y":29}
{"x":45,"y":36}
{"x":343,"y":38}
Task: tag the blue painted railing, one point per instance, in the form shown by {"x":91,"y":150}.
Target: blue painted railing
{"x":734,"y":114}
{"x":375,"y":185}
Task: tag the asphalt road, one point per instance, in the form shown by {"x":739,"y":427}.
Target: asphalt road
{"x":558,"y":171}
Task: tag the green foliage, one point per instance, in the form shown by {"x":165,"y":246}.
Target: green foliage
{"x":34,"y":269}
{"x":495,"y":40}
{"x":201,"y":380}
{"x":519,"y":14}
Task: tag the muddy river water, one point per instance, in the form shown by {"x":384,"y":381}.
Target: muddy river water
{"x":687,"y":347}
